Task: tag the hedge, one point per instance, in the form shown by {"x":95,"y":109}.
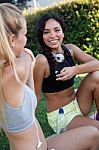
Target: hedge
{"x":82,"y":28}
{"x":81,"y":18}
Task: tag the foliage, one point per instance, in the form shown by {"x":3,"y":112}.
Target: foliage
{"x":82,"y":25}
{"x":82,"y":28}
{"x":3,"y":141}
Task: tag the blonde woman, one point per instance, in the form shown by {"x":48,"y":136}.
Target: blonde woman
{"x":17,"y":97}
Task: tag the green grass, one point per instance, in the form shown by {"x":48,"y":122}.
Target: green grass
{"x":41,"y":116}
{"x":4,"y":145}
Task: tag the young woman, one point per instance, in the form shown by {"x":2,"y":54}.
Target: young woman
{"x":55,"y":71}
{"x":17,"y":97}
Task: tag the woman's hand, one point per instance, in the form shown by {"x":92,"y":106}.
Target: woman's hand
{"x":32,"y":57}
{"x":66,"y":73}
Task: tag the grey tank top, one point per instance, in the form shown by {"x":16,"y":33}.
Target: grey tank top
{"x":21,"y":118}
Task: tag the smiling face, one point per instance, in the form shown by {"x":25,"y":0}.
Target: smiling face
{"x":53,"y":35}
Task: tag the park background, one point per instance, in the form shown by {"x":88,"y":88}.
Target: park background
{"x":81,"y":18}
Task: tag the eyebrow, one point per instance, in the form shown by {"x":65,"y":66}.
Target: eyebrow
{"x":54,"y":28}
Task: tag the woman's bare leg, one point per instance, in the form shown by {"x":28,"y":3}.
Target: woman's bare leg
{"x":88,"y":92}
{"x":83,"y":138}
{"x":80,"y":121}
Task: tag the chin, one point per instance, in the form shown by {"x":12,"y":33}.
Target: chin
{"x":18,"y":55}
{"x":54,"y":46}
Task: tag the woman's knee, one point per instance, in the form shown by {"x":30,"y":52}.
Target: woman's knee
{"x":94,"y":76}
{"x":94,"y":131}
{"x":94,"y":137}
{"x":90,"y":81}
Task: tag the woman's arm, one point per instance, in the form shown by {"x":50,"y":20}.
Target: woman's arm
{"x":87,"y":64}
{"x":39,"y":73}
{"x":30,"y":81}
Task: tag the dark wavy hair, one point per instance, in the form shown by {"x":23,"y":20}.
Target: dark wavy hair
{"x":40,"y":28}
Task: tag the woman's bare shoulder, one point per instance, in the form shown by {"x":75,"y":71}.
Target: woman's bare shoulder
{"x":20,"y":69}
{"x":41,"y":65}
{"x":40,"y":58}
{"x":72,"y":46}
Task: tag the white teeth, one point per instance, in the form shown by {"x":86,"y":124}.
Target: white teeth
{"x":54,"y":41}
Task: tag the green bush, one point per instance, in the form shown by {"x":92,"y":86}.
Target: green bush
{"x":82,"y":28}
{"x":82,"y":25}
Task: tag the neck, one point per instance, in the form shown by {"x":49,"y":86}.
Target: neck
{"x":58,"y":51}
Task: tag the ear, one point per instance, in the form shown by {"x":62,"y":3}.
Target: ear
{"x":12,"y":39}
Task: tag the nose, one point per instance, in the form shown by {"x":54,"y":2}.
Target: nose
{"x":52,"y":34}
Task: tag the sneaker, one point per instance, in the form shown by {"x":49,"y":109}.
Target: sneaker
{"x":97,"y":116}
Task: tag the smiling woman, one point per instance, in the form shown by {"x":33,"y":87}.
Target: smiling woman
{"x":55,"y":71}
{"x":17,"y":96}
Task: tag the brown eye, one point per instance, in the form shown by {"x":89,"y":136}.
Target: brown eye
{"x":57,"y":30}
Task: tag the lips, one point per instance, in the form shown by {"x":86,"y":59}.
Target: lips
{"x":53,"y":41}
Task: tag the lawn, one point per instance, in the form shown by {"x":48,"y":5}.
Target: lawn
{"x":41,"y":116}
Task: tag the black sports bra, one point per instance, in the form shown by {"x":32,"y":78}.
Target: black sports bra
{"x":50,"y":84}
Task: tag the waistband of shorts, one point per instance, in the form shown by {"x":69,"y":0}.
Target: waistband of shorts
{"x":68,"y":108}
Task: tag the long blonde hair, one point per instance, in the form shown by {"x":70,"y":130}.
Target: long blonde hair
{"x":11,"y":20}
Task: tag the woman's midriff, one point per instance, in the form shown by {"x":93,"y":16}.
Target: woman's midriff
{"x":26,"y":140}
{"x":59,"y":99}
